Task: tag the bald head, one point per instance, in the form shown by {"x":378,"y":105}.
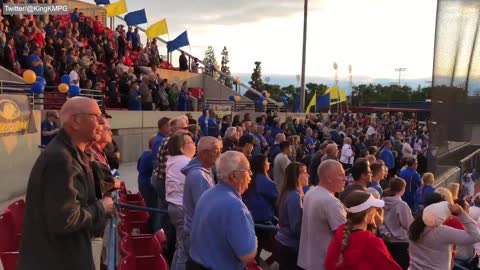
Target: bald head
{"x":76,"y":105}
{"x":331,"y":175}
{"x":82,"y":120}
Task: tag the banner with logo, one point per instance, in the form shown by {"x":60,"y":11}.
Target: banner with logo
{"x":16,"y":116}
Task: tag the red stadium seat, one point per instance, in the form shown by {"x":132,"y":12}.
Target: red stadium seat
{"x":156,"y":262}
{"x":126,"y":228}
{"x":18,"y":210}
{"x":8,"y":238}
{"x":161,"y":237}
{"x":253,"y":266}
{"x":142,"y":245}
{"x":9,"y":260}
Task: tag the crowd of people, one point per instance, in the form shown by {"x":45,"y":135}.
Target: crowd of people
{"x":331,"y":191}
{"x":94,"y":57}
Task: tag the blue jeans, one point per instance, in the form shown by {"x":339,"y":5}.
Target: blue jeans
{"x":180,"y":258}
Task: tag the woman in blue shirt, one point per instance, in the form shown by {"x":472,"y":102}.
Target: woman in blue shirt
{"x":260,"y":198}
{"x":290,"y":210}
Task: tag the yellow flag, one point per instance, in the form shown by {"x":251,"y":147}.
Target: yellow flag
{"x":157,"y":29}
{"x":334,"y":92}
{"x":117,"y":8}
{"x":343,"y":95}
{"x":313,"y":101}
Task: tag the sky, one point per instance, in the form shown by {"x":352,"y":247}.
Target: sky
{"x":373,"y":36}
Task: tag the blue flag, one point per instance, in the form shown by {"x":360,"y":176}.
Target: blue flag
{"x":323,"y":101}
{"x":178,"y":42}
{"x":136,"y":17}
{"x":102,"y":2}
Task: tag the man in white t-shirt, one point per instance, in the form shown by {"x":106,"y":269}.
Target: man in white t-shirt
{"x":74,"y":77}
{"x":372,"y":129}
{"x":322,"y":215}
{"x":407,"y":150}
{"x":347,"y":155}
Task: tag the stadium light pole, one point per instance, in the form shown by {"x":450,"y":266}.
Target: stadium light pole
{"x":302,"y":85}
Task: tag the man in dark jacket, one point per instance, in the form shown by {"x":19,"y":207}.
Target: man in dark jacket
{"x":62,"y":213}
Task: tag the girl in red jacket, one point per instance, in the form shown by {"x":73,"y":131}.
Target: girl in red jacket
{"x":354,"y":247}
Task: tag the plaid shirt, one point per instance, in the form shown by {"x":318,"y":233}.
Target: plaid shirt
{"x":162,"y":162}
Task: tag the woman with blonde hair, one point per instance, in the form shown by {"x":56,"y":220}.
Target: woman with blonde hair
{"x":454,"y":189}
{"x":353,"y":246}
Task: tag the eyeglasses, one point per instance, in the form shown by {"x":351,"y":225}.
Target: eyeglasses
{"x":97,"y":116}
{"x":247,"y":171}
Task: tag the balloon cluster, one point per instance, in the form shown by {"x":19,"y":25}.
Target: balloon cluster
{"x":234,"y":98}
{"x":39,"y":83}
{"x":66,"y":86}
{"x":265,"y":94}
{"x":262,"y":101}
{"x":284,"y":100}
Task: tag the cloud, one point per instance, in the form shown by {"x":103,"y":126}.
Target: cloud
{"x":226,"y":12}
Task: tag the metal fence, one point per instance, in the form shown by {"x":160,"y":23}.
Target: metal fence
{"x":51,"y":99}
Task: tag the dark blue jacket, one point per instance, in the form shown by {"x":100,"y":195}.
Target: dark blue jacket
{"x":145,"y":168}
{"x":387,"y":156}
{"x":414,"y":182}
{"x":260,"y":199}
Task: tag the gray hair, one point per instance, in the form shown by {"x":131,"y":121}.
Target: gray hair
{"x":207,"y":143}
{"x":177,"y":119}
{"x":229,"y":132}
{"x":227,"y":163}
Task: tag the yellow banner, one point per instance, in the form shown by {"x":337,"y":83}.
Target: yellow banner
{"x":117,"y":8}
{"x":15,"y":114}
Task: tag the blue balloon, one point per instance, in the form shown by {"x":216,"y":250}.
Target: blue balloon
{"x":74,"y":90}
{"x":41,"y":80}
{"x":37,"y":88}
{"x":212,"y":67}
{"x":264,"y":93}
{"x":262,"y":98}
{"x":65,"y":79}
{"x":231,"y":98}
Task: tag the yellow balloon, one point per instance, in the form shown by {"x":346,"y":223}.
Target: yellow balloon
{"x":29,"y":76}
{"x":238,"y":98}
{"x":268,"y":95}
{"x":217,"y":67}
{"x":265,"y":102}
{"x":63,"y":88}
{"x":238,"y":80}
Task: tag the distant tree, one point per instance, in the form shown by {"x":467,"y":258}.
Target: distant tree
{"x":257,"y":82}
{"x":225,"y":69}
{"x":316,"y":88}
{"x":209,"y":60}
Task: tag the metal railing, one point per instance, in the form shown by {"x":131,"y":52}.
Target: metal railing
{"x":51,"y":99}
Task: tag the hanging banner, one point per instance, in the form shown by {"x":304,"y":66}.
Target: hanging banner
{"x":16,"y":116}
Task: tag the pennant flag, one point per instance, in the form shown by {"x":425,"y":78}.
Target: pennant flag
{"x":117,"y":8}
{"x":323,"y":101}
{"x":343,"y":95}
{"x":178,"y":42}
{"x":312,"y":103}
{"x":333,"y":91}
{"x":136,"y":17}
{"x":102,"y":2}
{"x":157,"y":29}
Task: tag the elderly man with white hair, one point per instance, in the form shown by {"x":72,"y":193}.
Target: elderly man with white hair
{"x":347,"y":155}
{"x":223,"y":235}
{"x":198,"y":179}
{"x":61,"y":211}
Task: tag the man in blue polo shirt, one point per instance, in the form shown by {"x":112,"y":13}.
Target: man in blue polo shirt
{"x":223,"y":235}
{"x":50,"y":128}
